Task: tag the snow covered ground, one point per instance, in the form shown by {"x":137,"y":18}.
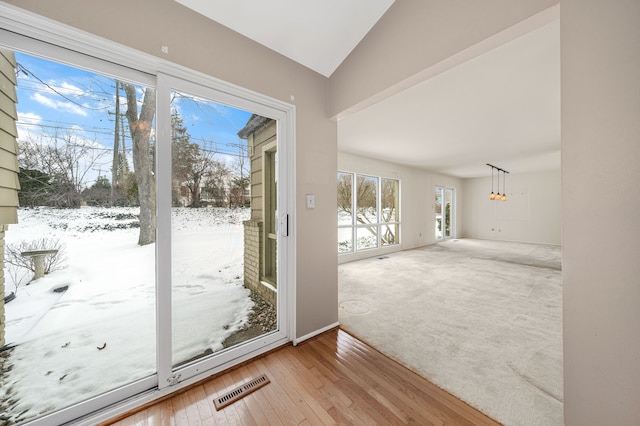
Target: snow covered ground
{"x":100,"y":333}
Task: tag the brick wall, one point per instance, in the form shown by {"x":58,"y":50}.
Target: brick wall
{"x":253,"y":246}
{"x":252,"y":252}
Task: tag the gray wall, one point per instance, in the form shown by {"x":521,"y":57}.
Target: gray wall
{"x":532,"y":212}
{"x":600,"y":210}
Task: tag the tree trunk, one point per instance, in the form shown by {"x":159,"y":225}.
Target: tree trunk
{"x":140,"y":127}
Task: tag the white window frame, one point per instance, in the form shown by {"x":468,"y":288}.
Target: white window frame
{"x":354,"y":226}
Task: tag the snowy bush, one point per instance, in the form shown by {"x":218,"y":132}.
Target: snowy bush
{"x":13,"y":256}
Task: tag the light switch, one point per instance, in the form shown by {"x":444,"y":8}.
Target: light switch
{"x":311,"y":201}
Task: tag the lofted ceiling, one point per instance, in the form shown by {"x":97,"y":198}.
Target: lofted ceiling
{"x":502,"y":107}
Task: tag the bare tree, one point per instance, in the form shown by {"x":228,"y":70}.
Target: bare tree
{"x":192,"y":163}
{"x":237,"y":191}
{"x":365,"y":197}
{"x":140,"y":128}
{"x":364,"y":206}
{"x":243,"y":179}
{"x":216,"y":183}
{"x":200,"y":168}
{"x":345,"y":193}
{"x":59,"y":162}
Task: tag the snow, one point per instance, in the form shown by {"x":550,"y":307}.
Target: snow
{"x":111,"y":300}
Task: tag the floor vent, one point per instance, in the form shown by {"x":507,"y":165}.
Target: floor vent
{"x":240,"y":392}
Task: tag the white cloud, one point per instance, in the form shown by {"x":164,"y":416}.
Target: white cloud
{"x":69,"y":89}
{"x":29,"y":118}
{"x":27,"y":123}
{"x":59,"y":105}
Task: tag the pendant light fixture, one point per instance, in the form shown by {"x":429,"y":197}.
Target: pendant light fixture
{"x":497,"y":195}
{"x":492,"y":196}
{"x":504,"y":186}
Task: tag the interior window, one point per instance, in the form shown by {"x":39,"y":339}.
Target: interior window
{"x":368,"y":212}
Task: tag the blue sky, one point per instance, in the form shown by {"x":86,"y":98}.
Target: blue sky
{"x":55,"y":97}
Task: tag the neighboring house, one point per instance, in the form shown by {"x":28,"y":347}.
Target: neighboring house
{"x":260,"y":235}
{"x":9,"y":183}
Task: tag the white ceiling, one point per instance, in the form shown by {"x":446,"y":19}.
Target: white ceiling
{"x":502,"y":107}
{"x":318,"y":34}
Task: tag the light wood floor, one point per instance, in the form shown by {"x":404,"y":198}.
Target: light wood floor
{"x":331,"y":379}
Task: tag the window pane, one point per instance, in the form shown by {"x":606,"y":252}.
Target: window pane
{"x":345,"y":240}
{"x":223,"y":225}
{"x":87,"y":324}
{"x":389,"y":234}
{"x":390,"y":200}
{"x":370,"y":218}
{"x":345,"y":198}
{"x":448,"y":202}
{"x":367,"y":200}
{"x":367,"y":237}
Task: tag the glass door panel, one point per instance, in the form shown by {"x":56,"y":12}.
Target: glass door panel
{"x":444,"y":213}
{"x":223,"y":226}
{"x":448,"y":213}
{"x":269,"y":270}
{"x":83,"y":325}
{"x":438,"y":213}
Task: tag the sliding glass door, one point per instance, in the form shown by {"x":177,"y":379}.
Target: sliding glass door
{"x":213,"y":198}
{"x":220,"y":273}
{"x":150,"y":203}
{"x":85,"y":324}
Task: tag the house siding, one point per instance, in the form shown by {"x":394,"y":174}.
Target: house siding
{"x":258,"y":141}
{"x":254,"y":229}
{"x":9,"y":183}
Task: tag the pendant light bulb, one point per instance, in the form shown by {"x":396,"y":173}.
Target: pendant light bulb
{"x":492,"y":196}
{"x":504,"y":197}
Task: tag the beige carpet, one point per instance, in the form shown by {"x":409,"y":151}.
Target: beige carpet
{"x":481,"y":319}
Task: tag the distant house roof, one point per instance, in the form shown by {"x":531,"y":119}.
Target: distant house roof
{"x":255,"y":123}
